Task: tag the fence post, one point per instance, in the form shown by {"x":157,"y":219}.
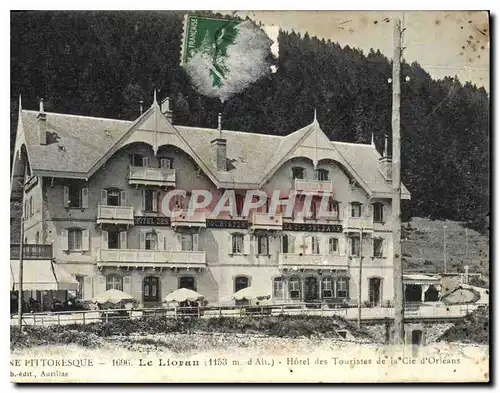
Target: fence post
{"x":58,"y":319}
{"x":83,"y":313}
{"x":220,"y":312}
{"x":282,"y":309}
{"x":106,"y":314}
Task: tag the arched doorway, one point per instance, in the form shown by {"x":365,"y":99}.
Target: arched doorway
{"x":311,"y":289}
{"x":413,"y":293}
{"x":375,"y":291}
{"x":432,"y":294}
{"x":151,"y":289}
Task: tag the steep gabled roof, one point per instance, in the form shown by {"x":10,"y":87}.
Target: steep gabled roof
{"x":79,"y":145}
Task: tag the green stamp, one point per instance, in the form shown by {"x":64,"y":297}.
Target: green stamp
{"x":209,"y":38}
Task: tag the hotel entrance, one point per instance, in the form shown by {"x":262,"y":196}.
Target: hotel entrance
{"x":311,"y":289}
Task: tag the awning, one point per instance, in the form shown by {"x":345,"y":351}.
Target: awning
{"x":41,"y":275}
{"x":420,"y":279}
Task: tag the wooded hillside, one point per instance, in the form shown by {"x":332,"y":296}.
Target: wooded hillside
{"x":104,"y":63}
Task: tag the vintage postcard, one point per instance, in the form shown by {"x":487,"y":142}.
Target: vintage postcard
{"x":250,"y":196}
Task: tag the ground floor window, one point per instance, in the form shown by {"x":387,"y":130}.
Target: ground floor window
{"x":241,"y":282}
{"x":151,"y":289}
{"x":294,"y":287}
{"x":187,"y":282}
{"x":342,"y":288}
{"x":114,"y":282}
{"x":278,"y":287}
{"x":327,"y":287}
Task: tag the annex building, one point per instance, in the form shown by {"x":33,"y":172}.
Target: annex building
{"x":92,"y":192}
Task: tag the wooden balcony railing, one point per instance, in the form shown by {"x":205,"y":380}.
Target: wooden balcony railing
{"x":115,"y":214}
{"x":184,"y":218}
{"x":265,"y":221}
{"x":31,"y":251}
{"x":311,"y":260}
{"x":185,"y":258}
{"x":313,"y":186}
{"x":358,"y":223}
{"x":151,"y":176}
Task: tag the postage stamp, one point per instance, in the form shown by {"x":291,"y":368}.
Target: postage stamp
{"x":250,"y":196}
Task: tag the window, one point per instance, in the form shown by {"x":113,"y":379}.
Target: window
{"x":285,"y":244}
{"x":241,"y":282}
{"x":322,"y":174}
{"x":327,"y":287}
{"x":166,"y":163}
{"x":74,"y":239}
{"x":278,"y":287}
{"x":136,"y":160}
{"x":151,"y":289}
{"x":74,"y":195}
{"x":294,"y":287}
{"x":114,"y":282}
{"x":315,"y":245}
{"x":114,"y":240}
{"x":378,"y":248}
{"x":342,"y":288}
{"x":355,"y":209}
{"x":378,"y":212}
{"x":333,"y":208}
{"x":150,"y":200}
{"x":113,"y":197}
{"x":354,"y":249}
{"x":187,"y":282}
{"x":151,"y":241}
{"x":263,"y":245}
{"x":333,"y":245}
{"x":187,"y":242}
{"x":297,"y":172}
{"x":177,"y":202}
{"x":237,"y":244}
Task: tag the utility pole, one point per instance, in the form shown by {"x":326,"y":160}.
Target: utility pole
{"x":20,"y":286}
{"x":396,"y":188}
{"x":444,"y":248}
{"x":360,"y":275}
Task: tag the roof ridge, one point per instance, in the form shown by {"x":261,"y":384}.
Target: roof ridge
{"x":80,"y":116}
{"x":233,"y":131}
{"x":352,"y":143}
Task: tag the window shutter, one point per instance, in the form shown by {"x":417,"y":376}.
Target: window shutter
{"x":308,"y":245}
{"x":127,"y":284}
{"x":324,"y":247}
{"x":385,"y":248}
{"x":85,"y":240}
{"x":256,"y":248}
{"x":104,"y":239}
{"x":270,"y":245}
{"x":179,"y":241}
{"x":384,"y":213}
{"x":85,"y":197}
{"x":340,"y":213}
{"x":366,"y":210}
{"x":142,"y":240}
{"x":145,"y":162}
{"x":291,"y":244}
{"x":143,"y":200}
{"x":299,"y":244}
{"x":123,"y":198}
{"x":123,"y":239}
{"x":408,"y":337}
{"x":230,"y":244}
{"x":247,"y":245}
{"x":104,"y":197}
{"x":195,"y":242}
{"x":66,"y":196}
{"x":342,"y":245}
{"x":64,"y":240}
{"x":161,"y":241}
{"x":155,"y":201}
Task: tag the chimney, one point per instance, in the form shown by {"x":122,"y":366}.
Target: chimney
{"x":385,"y":163}
{"x":42,"y":124}
{"x":220,"y":147}
{"x":165,"y":108}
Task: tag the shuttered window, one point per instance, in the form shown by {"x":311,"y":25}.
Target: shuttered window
{"x":278,"y":290}
{"x":378,"y":212}
{"x":378,"y":248}
{"x":333,"y":245}
{"x":342,"y":287}
{"x":327,"y":287}
{"x":237,"y":240}
{"x":114,"y":282}
{"x":74,"y":239}
{"x":294,"y":287}
{"x":355,"y":209}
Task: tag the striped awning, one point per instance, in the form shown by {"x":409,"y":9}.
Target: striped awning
{"x":41,"y":275}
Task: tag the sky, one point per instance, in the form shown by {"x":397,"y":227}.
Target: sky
{"x":442,"y":42}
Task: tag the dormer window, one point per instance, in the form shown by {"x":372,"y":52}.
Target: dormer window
{"x":139,"y":160}
{"x":166,"y":163}
{"x":321,"y":174}
{"x":297,"y":172}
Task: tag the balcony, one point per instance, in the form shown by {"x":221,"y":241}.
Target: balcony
{"x":183,"y":218}
{"x":357,"y":223}
{"x":161,"y":177}
{"x":115,"y":215}
{"x":265,"y":221}
{"x":306,"y":186}
{"x":31,"y":251}
{"x":191,"y":259}
{"x":312,"y":261}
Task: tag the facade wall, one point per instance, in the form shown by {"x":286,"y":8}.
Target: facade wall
{"x":217,"y":280}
